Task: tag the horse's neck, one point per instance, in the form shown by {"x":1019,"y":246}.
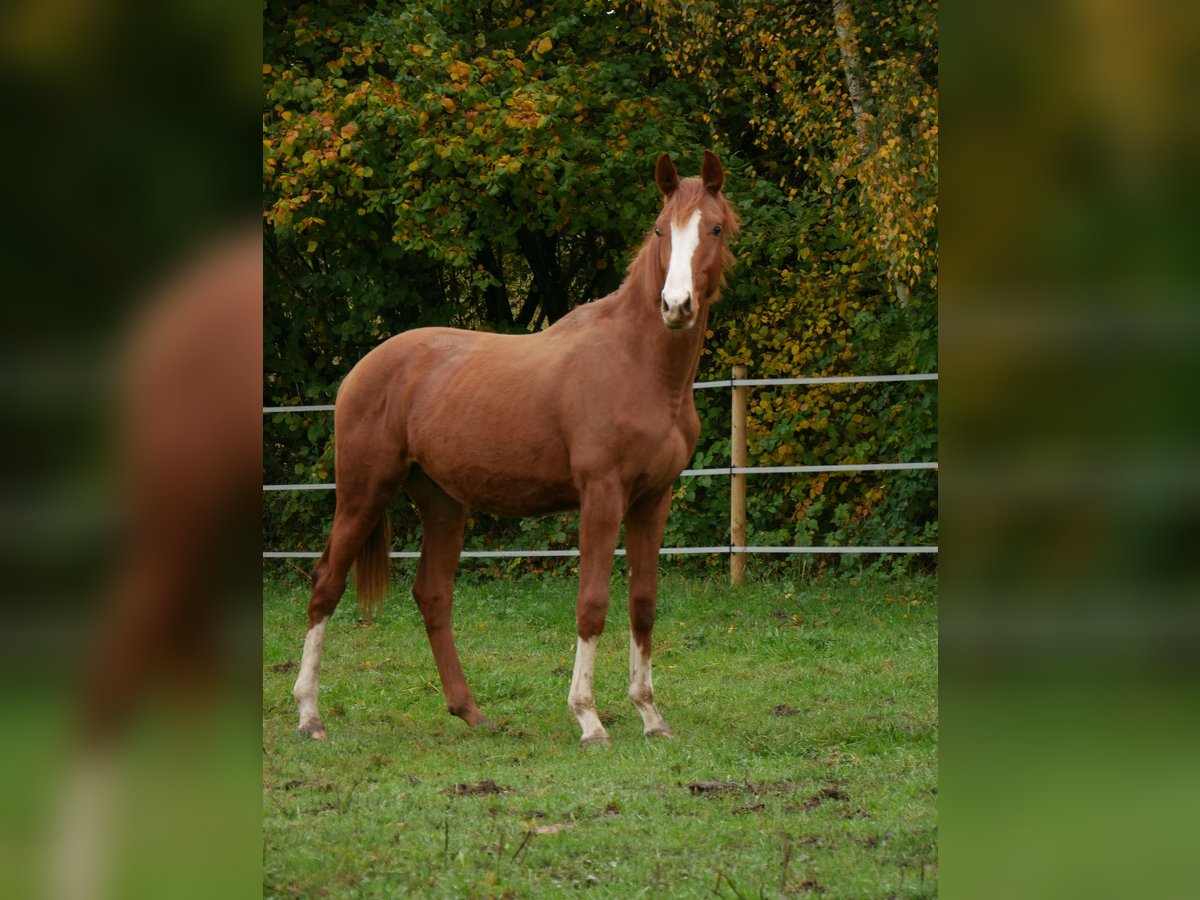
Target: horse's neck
{"x":670,"y":357}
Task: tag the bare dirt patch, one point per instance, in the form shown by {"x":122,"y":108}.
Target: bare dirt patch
{"x":750,"y":808}
{"x":823,"y":795}
{"x":719,"y":788}
{"x":487,"y":786}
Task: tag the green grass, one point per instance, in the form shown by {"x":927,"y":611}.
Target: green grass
{"x":815,"y":703}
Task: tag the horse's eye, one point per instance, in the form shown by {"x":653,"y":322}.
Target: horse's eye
{"x":658,"y":231}
{"x":716,"y":229}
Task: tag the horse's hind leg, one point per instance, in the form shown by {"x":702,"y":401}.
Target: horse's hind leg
{"x":360,"y":516}
{"x":442,"y":522}
{"x":643,"y":537}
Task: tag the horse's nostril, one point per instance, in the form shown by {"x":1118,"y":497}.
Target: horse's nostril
{"x":665,"y":308}
{"x":687,"y":305}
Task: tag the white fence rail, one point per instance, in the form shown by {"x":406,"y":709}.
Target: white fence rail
{"x":691,"y":473}
{"x":735,"y":550}
{"x":665,"y":551}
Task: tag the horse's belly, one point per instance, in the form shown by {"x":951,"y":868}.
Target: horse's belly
{"x":493,"y":448}
{"x":526,"y":490}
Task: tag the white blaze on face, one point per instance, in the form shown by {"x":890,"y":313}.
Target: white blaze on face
{"x":685,"y":239}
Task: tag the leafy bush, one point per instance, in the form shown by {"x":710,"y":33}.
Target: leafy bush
{"x":435,"y":163}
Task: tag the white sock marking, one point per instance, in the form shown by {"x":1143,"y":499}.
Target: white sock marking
{"x":581,"y":699}
{"x":78,"y":864}
{"x":305,"y":690}
{"x":641,"y":689}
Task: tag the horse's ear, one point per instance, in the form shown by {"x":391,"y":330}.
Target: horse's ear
{"x":666,"y":176}
{"x":711,"y":173}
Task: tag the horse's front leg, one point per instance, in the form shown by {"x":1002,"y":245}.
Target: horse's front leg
{"x":599,"y":521}
{"x":643,"y":537}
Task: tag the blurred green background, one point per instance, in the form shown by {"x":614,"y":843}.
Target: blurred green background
{"x":1069,"y":475}
{"x":1067,"y":322}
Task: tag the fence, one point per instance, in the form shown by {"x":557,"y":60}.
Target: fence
{"x":737,"y":471}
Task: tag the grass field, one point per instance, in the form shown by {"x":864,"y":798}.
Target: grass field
{"x":805,"y":762}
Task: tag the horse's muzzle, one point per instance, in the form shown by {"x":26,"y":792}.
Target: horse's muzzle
{"x":679,"y":316}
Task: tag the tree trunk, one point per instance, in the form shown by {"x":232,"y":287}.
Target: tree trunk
{"x":847,"y":38}
{"x":495,"y":295}
{"x":860,"y":101}
{"x":541,"y":252}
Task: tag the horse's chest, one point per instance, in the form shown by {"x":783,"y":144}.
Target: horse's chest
{"x":659,"y":455}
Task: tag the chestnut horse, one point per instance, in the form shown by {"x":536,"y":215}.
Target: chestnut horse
{"x":595,"y":413}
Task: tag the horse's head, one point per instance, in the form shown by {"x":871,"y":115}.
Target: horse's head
{"x":692,"y":234}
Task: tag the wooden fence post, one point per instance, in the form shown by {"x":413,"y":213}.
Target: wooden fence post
{"x":737,"y":482}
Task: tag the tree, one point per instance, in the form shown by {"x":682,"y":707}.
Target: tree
{"x":438,"y":163}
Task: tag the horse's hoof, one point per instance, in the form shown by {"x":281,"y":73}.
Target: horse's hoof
{"x":662,"y":731}
{"x":314,"y":730}
{"x":485,"y":723}
{"x":595,"y":740}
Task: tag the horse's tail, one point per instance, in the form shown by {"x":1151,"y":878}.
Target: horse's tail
{"x":373,"y":569}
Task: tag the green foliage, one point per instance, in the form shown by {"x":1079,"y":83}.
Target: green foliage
{"x":437,"y":163}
